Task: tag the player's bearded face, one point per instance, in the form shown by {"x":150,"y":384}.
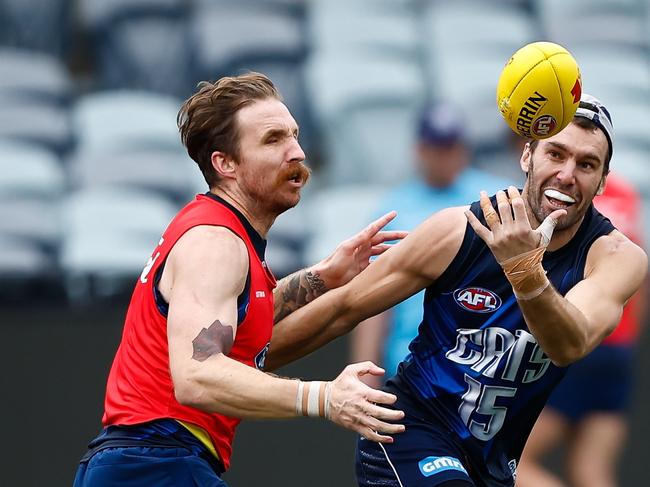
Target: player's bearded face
{"x":565,"y":172}
{"x":270,"y":170}
{"x":547,"y":194}
{"x":276,"y":186}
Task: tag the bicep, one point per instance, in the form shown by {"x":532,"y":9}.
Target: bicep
{"x":618,"y":272}
{"x":209,"y":266}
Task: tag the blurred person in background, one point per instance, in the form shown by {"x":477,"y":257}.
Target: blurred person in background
{"x":444,"y":178}
{"x":190,"y":363}
{"x":587,"y":411}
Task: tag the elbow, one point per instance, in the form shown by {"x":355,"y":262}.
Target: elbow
{"x":188,"y":391}
{"x":570,"y":352}
{"x":188,"y":394}
{"x":562,"y":361}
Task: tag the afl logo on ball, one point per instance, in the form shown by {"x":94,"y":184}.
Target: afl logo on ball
{"x":477,"y":300}
{"x":543,"y":126}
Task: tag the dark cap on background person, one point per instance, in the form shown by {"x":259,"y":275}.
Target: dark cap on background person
{"x":441,"y":124}
{"x":442,"y":149}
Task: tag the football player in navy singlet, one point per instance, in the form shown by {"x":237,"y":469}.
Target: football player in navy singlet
{"x":518,"y":286}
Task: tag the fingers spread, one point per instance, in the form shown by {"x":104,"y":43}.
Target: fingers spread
{"x":491,"y":217}
{"x":371,"y":435}
{"x":518,"y":207}
{"x":503,"y":204}
{"x":363,"y":368}
{"x":387,"y":236}
{"x":380,"y":397}
{"x":386,"y":414}
{"x":379,"y":249}
{"x":380,"y":223}
{"x":478,"y":227}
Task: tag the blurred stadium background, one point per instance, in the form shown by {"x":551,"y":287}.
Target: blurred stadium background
{"x":92,"y":170}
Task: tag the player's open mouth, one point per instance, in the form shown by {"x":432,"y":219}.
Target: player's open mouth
{"x":557,"y":199}
{"x":296,"y":180}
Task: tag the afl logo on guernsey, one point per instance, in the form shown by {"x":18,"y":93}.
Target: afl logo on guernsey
{"x":477,"y":300}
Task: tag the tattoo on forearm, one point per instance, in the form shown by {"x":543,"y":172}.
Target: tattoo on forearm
{"x":316,"y":284}
{"x":217,"y":338}
{"x":297,"y":290}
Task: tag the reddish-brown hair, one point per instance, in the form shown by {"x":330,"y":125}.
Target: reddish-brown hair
{"x":207,"y":120}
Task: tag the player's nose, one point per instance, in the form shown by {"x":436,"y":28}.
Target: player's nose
{"x":295,"y":152}
{"x":566,"y":173}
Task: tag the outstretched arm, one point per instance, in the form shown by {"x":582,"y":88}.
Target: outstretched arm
{"x":348,"y":259}
{"x":201,"y":330}
{"x":403,"y":270}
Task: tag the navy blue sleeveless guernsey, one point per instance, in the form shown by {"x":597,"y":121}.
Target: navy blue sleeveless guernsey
{"x":474,"y":367}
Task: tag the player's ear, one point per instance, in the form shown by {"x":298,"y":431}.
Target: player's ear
{"x":524,"y":161}
{"x":601,"y":186}
{"x":223,"y":164}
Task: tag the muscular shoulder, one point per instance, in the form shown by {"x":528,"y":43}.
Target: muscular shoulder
{"x":617,"y":256}
{"x":206,"y":253}
{"x":618,"y":246}
{"x":210,"y":243}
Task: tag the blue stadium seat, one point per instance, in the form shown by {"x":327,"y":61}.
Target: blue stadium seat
{"x":141,"y":44}
{"x":22,"y":263}
{"x":170,"y":174}
{"x":614,"y":74}
{"x":31,"y":186}
{"x":619,"y":23}
{"x":33,"y":77}
{"x":366,"y":109}
{"x":47,"y":126}
{"x":40,"y":25}
{"x":126,"y":119}
{"x":108,"y":236}
{"x":631,"y":162}
{"x":246,"y":34}
{"x":371,"y":26}
{"x":29,"y":171}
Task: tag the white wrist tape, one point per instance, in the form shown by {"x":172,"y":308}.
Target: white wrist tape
{"x":299,"y":408}
{"x":313,"y":403}
{"x":312,"y":399}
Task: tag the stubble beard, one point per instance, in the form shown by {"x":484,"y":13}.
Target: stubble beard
{"x":536,"y":196}
{"x":274,"y":197}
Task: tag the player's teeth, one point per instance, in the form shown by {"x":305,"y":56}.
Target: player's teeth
{"x":556,"y":195}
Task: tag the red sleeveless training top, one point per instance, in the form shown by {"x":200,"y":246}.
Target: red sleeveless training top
{"x":139,"y":385}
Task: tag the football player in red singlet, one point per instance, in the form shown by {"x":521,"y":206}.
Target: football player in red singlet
{"x":190,"y":363}
{"x":588,"y":408}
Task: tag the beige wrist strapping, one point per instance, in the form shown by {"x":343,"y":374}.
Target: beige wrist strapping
{"x":313,"y":399}
{"x":526,"y":274}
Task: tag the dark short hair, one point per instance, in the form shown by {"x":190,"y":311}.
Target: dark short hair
{"x":586,"y":124}
{"x":207,"y":119}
